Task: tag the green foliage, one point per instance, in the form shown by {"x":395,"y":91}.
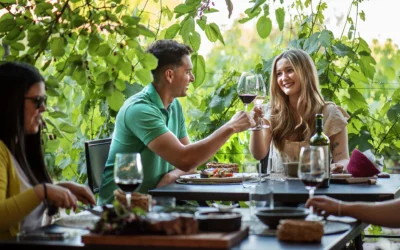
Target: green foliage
{"x":92,"y":54}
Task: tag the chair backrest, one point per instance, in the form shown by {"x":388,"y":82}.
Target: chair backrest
{"x":96,"y":152}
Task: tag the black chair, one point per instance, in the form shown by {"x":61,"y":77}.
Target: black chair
{"x":96,"y":152}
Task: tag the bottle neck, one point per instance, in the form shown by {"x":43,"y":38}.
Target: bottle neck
{"x":318,"y":125}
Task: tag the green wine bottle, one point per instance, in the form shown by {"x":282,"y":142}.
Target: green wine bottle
{"x":319,"y":139}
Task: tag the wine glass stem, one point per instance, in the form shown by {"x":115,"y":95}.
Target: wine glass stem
{"x":245,"y":107}
{"x":128,"y":199}
{"x":271,"y":200}
{"x":271,"y":197}
{"x":311,"y":194}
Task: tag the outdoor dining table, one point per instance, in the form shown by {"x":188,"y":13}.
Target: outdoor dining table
{"x":252,"y":242}
{"x":292,"y":191}
{"x":284,"y":191}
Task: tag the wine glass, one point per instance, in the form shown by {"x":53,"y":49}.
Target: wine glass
{"x":261,"y":95}
{"x":312,"y":171}
{"x":128,"y":173}
{"x":247,"y":88}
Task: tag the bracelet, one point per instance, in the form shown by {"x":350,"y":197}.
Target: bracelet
{"x":45,"y":193}
{"x":340,"y":203}
{"x":51,"y":209}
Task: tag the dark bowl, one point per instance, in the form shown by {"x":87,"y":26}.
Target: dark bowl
{"x":216,"y":221}
{"x":271,"y":217}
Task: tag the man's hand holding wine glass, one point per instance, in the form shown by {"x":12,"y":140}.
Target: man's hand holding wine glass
{"x":241,"y":121}
{"x":251,"y":87}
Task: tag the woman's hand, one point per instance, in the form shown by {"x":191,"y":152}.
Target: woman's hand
{"x":257,"y":114}
{"x":57,"y":195}
{"x":327,"y":204}
{"x":82,"y":192}
{"x":337,"y":168}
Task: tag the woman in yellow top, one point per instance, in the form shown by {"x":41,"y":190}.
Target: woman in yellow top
{"x":25,"y":185}
{"x":295,"y":100}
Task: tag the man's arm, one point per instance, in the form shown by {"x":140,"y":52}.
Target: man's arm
{"x":173,"y":175}
{"x":188,"y":157}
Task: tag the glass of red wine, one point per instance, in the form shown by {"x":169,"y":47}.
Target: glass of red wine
{"x":247,"y":88}
{"x":128,"y":173}
{"x":311,"y":171}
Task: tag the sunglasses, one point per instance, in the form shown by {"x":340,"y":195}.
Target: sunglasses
{"x":38,"y":100}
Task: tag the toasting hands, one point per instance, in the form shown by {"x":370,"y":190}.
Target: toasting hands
{"x":241,"y":121}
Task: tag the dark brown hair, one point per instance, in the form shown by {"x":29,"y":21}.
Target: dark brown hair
{"x":16,"y":79}
{"x":169,"y":54}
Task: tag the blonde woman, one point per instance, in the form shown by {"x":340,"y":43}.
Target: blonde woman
{"x":295,"y":99}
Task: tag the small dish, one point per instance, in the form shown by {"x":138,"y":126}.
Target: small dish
{"x":216,"y":221}
{"x":225,"y":208}
{"x":271,"y":217}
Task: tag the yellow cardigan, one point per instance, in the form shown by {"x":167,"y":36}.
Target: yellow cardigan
{"x":14,"y":205}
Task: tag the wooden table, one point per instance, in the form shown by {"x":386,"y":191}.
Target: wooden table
{"x":287,"y":191}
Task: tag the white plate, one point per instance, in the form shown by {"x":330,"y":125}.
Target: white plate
{"x":195,"y":178}
{"x":353,"y":180}
{"x":84,"y":220}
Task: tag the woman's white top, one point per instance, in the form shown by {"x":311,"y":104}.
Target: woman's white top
{"x":335,"y":120}
{"x":33,"y":220}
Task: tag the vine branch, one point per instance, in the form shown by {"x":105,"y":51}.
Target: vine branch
{"x":159,"y":20}
{"x":384,"y":137}
{"x":344,"y":27}
{"x":314,"y":20}
{"x":51,"y":29}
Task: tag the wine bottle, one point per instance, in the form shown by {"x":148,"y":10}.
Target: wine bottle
{"x":319,"y":139}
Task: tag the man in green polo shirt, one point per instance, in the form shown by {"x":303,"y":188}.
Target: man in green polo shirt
{"x":152,"y":123}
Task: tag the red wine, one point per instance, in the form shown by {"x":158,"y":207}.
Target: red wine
{"x":247,"y":98}
{"x":312,"y":183}
{"x":129,"y":186}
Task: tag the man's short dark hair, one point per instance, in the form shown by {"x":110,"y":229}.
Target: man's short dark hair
{"x":168,"y":53}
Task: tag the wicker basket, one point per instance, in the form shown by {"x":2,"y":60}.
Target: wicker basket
{"x":141,"y":200}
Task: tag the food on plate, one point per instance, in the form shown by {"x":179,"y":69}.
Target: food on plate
{"x":232,"y":166}
{"x":170,"y":224}
{"x":118,"y":220}
{"x":183,"y":209}
{"x":300,"y":230}
{"x":216,"y":173}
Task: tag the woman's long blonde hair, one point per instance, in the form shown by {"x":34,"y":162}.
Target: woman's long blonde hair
{"x":283,"y":116}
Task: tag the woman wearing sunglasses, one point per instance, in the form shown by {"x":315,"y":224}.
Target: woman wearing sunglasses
{"x":26,"y":189}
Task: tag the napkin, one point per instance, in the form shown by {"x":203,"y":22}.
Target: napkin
{"x":361,"y":166}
